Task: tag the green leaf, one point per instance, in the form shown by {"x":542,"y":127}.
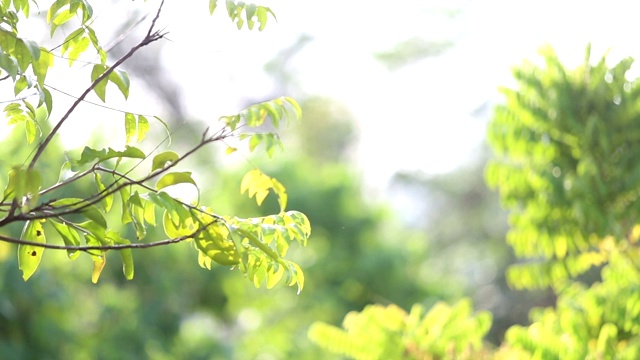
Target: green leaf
{"x":107,"y":201}
{"x":143,"y":127}
{"x":23,"y":185}
{"x":130,"y":127}
{"x":127,"y":263}
{"x":7,"y":41}
{"x":62,"y":17}
{"x":48,"y":101}
{"x":176,"y":178}
{"x":22,"y":55}
{"x":212,"y":6}
{"x":121,"y":79}
{"x":31,"y":131}
{"x":90,"y":155}
{"x":33,"y":49}
{"x":163,"y":159}
{"x":101,"y":88}
{"x":125,"y":254}
{"x":295,"y":105}
{"x":96,"y":44}
{"x":9,"y":64}
{"x":137,"y":208}
{"x":79,"y":47}
{"x":250,"y":12}
{"x":69,"y":236}
{"x":126,"y":213}
{"x":281,"y":193}
{"x":23,"y":82}
{"x":29,"y":256}
{"x":70,"y":40}
{"x":174,"y":208}
{"x":91,"y":212}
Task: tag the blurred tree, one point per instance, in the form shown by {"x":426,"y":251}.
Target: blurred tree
{"x":566,"y":168}
{"x":472,"y":255}
{"x":354,"y":258}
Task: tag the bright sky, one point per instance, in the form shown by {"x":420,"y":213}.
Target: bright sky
{"x":418,"y":117}
{"x":415,"y":118}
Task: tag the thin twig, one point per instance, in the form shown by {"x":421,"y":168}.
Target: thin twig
{"x":94,"y":103}
{"x":150,"y":38}
{"x":86,"y":248}
{"x":113,"y":188}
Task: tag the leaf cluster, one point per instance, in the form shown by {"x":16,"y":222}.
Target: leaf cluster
{"x":567,"y":147}
{"x":255,"y":246}
{"x":379,"y":332}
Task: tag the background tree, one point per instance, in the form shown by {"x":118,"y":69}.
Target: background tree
{"x":567,"y":169}
{"x":473,"y":256}
{"x":565,"y":166}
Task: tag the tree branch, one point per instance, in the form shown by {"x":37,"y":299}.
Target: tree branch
{"x":86,"y":248}
{"x":42,"y":211}
{"x":150,"y":38}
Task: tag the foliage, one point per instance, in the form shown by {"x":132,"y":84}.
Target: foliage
{"x":600,"y":322}
{"x":567,"y":167}
{"x":379,"y":332}
{"x":85,"y":224}
{"x":472,"y":258}
{"x":354,"y":237}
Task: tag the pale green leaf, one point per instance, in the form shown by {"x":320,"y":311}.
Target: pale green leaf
{"x":90,"y":155}
{"x":69,"y":236}
{"x":212,"y":6}
{"x":163,"y":159}
{"x":175,"y":178}
{"x":101,"y":88}
{"x":125,"y":254}
{"x":130,"y":127}
{"x":31,"y":131}
{"x":143,"y":127}
{"x":29,"y":256}
{"x":107,"y":201}
{"x":121,"y":79}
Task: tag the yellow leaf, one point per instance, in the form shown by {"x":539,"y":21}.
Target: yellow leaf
{"x":98,"y":265}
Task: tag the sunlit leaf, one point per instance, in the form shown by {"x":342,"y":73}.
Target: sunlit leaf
{"x":125,"y":254}
{"x":29,"y":256}
{"x":9,"y":64}
{"x":212,"y":6}
{"x":175,"y":178}
{"x":22,"y":55}
{"x":163,"y":159}
{"x":130,"y":127}
{"x":90,"y":155}
{"x":107,"y":201}
{"x":121,"y":79}
{"x":98,"y":266}
{"x":69,"y":236}
{"x":143,"y":127}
